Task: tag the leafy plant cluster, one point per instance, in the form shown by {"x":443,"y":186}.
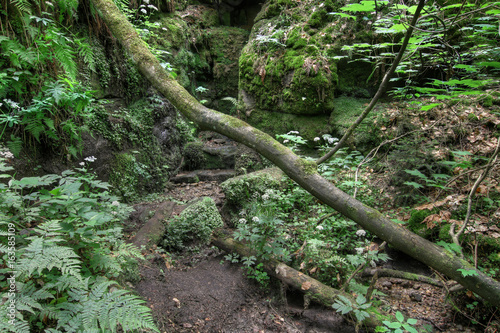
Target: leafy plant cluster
{"x":62,"y":244}
{"x":40,"y":99}
{"x":281,"y":220}
{"x":453,"y":50}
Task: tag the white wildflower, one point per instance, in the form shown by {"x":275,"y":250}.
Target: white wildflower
{"x":265,"y":197}
{"x":286,"y":141}
{"x":82,"y":163}
{"x":316,"y":139}
{"x":255,"y":219}
{"x":359,"y":250}
{"x":293,"y":132}
{"x":90,"y":159}
{"x":331,"y":140}
{"x":361,"y":233}
{"x":242,"y":221}
{"x":146,"y":1}
{"x":320,"y":227}
{"x":6,"y":154}
{"x":144,"y":11}
{"x":153,"y":7}
{"x":304,"y":98}
{"x":115,"y":203}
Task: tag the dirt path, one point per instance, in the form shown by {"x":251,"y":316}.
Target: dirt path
{"x":203,"y":293}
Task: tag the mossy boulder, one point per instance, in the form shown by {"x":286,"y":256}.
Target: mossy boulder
{"x":290,"y":64}
{"x":193,"y":226}
{"x":241,"y":189}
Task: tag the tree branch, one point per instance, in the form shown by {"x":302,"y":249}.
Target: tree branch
{"x":491,"y":162}
{"x":381,"y":89}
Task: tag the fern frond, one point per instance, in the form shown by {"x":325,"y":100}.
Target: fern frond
{"x":41,"y":254}
{"x":65,"y":55}
{"x":23,"y":6}
{"x":107,"y":309}
{"x":233,"y":100}
{"x":15,"y":145}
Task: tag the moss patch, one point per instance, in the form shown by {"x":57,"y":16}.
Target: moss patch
{"x":193,"y":226}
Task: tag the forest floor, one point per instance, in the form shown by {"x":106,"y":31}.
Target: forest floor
{"x":201,"y":292}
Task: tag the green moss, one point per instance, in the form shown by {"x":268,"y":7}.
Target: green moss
{"x":444,"y":233}
{"x":309,"y":167}
{"x":239,"y":190}
{"x":195,"y":224}
{"x":273,"y":123}
{"x":193,"y":155}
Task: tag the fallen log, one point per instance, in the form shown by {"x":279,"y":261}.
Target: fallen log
{"x":311,"y":288}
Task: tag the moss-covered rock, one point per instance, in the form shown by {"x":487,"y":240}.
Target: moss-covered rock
{"x":290,"y":64}
{"x":240,"y":189}
{"x":195,"y":224}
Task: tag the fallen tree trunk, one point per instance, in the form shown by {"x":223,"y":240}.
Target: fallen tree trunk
{"x":302,"y":171}
{"x":312,"y":288}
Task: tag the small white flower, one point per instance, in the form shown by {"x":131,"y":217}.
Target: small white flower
{"x":293,"y":132}
{"x":286,"y":141}
{"x":359,"y":250}
{"x":82,"y":163}
{"x":242,"y":221}
{"x":331,"y":140}
{"x":265,"y":197}
{"x":146,"y":1}
{"x":151,"y":6}
{"x":361,"y":233}
{"x":115,"y":203}
{"x":255,"y":219}
{"x":320,"y":227}
{"x":90,"y":159}
{"x":144,"y":11}
{"x":304,"y":98}
{"x":316,"y":139}
{"x":6,"y":154}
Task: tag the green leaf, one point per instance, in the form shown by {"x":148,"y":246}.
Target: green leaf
{"x":343,"y":15}
{"x":470,"y":272}
{"x":400,"y":317}
{"x":415,"y":185}
{"x":417,"y":174}
{"x":364,"y":6}
{"x":430,"y":106}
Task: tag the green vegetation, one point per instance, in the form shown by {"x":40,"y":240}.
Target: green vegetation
{"x":63,"y":235}
{"x":194,"y":225}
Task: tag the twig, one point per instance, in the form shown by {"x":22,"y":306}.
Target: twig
{"x":472,"y":192}
{"x":382,"y":88}
{"x":376,"y":149}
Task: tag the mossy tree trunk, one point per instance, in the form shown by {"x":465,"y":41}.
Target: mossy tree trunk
{"x":303,"y":172}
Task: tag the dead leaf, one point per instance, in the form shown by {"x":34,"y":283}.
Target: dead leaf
{"x":306,"y":285}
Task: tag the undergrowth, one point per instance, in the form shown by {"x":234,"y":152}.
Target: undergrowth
{"x":64,"y":257}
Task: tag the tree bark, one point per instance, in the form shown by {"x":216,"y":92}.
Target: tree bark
{"x":312,"y":288}
{"x":302,"y":171}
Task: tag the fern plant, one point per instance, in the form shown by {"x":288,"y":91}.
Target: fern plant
{"x":64,"y":249}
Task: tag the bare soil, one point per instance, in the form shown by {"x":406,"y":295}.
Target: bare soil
{"x":201,"y":292}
